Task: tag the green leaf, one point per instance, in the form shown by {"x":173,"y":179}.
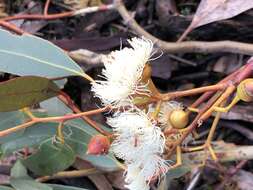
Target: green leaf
{"x":177,"y":172}
{"x":5,"y":188}
{"x":28,"y":184}
{"x":19,"y":170}
{"x":51,"y":157}
{"x":64,"y":187}
{"x":61,"y":83}
{"x":103,"y":162}
{"x":25,"y":91}
{"x":173,"y":174}
{"x":77,"y":135}
{"x":33,"y":136}
{"x":29,"y":55}
{"x":21,"y":181}
{"x":55,"y":107}
{"x":11,"y":119}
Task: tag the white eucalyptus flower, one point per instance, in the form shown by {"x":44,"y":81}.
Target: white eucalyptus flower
{"x":140,"y":144}
{"x":136,"y":134}
{"x":122,"y":73}
{"x":142,"y":171}
{"x":138,"y":183}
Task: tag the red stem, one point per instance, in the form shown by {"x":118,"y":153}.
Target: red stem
{"x":11,"y":27}
{"x":207,"y":95}
{"x":46,"y":7}
{"x":68,"y":101}
{"x":234,"y":78}
{"x":40,"y":16}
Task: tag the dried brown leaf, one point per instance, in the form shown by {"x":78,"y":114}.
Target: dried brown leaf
{"x":214,"y":10}
{"x":76,"y":4}
{"x":80,"y":4}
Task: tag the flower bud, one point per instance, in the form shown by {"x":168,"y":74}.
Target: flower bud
{"x":179,"y":119}
{"x":146,"y":74}
{"x":99,"y":144}
{"x":245,"y":90}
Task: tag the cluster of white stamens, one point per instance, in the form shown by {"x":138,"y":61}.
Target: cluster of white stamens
{"x":140,"y":144}
{"x":138,"y":141}
{"x":122,"y":73}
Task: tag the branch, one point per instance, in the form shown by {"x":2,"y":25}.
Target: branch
{"x":51,"y":119}
{"x":86,"y":57}
{"x":184,"y":47}
{"x":60,"y":15}
{"x":11,"y":27}
{"x":45,"y":16}
{"x":68,"y":102}
{"x":224,"y":151}
{"x":68,"y":174}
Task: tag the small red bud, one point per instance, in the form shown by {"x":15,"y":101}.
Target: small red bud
{"x":99,"y":144}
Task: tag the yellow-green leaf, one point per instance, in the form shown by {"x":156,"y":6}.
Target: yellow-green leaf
{"x":25,"y":91}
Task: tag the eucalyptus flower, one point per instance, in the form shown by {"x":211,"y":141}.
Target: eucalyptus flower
{"x":123,"y":73}
{"x":136,"y":134}
{"x":134,"y":180}
{"x":140,"y":143}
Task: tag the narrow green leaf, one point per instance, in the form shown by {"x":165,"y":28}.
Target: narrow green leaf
{"x":21,"y":181}
{"x":5,"y":188}
{"x":19,"y":171}
{"x":29,"y":55}
{"x":28,"y":184}
{"x":51,"y":157}
{"x":64,"y":187}
{"x":177,"y":172}
{"x":25,"y":91}
{"x":103,"y":162}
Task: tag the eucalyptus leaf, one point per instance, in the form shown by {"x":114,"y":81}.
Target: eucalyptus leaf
{"x":177,"y":172}
{"x":77,"y":134}
{"x":51,"y":157}
{"x":19,"y":171}
{"x":29,"y":55}
{"x":55,"y":107}
{"x":103,"y":162}
{"x":28,"y":184}
{"x":5,"y":188}
{"x":33,"y":136}
{"x":11,"y":119}
{"x":61,"y":83}
{"x":21,"y":181}
{"x":64,"y":187}
{"x":25,"y":91}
